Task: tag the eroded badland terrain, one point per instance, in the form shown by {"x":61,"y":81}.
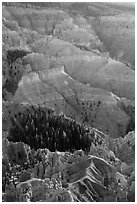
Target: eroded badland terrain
{"x":68,"y":88}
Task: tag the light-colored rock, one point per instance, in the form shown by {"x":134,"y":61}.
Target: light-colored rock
{"x":97,"y":106}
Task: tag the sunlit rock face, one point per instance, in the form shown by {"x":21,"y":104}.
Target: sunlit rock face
{"x":128,"y":145}
{"x":84,"y":67}
{"x":60,"y":177}
{"x":68,"y":112}
{"x":86,"y":187}
{"x":58,"y":23}
{"x":85,"y":101}
{"x":57,"y":176}
{"x":77,"y":29}
{"x":124,"y":148}
{"x":41,"y":190}
{"x":117,"y":40}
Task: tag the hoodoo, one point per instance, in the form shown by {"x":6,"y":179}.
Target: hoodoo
{"x":68,"y":109}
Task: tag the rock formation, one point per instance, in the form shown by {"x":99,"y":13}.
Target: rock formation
{"x":68,"y":111}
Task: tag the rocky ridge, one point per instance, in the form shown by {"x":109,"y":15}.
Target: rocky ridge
{"x":99,"y":168}
{"x":64,"y":90}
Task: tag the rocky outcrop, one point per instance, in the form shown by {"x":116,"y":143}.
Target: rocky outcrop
{"x":124,"y":148}
{"x":35,"y":190}
{"x":89,"y":179}
{"x":117,"y":40}
{"x":94,"y":106}
{"x":65,"y":177}
{"x":128,"y":107}
{"x":68,"y":107}
{"x":91,"y":69}
{"x":62,"y":91}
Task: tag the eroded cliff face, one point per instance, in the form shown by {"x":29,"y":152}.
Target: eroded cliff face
{"x":48,"y":176}
{"x":95,"y":106}
{"x":58,"y":90}
{"x":68,"y":103}
{"x":53,"y":168}
{"x":86,"y":67}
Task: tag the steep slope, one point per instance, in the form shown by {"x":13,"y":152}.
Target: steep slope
{"x":86,"y":67}
{"x":68,"y":89}
{"x":59,"y":90}
{"x":95,"y":106}
{"x":118,"y":35}
{"x":66,"y":176}
{"x":57,"y":23}
{"x":62,"y":23}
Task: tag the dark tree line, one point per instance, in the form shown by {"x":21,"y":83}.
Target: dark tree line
{"x":44,"y":129}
